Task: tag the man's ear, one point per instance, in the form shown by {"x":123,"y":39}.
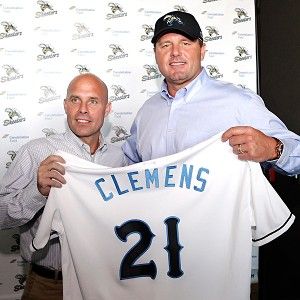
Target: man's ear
{"x":108,"y":109}
{"x":203,"y":50}
{"x":65,"y":105}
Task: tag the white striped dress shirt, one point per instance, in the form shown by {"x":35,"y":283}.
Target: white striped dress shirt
{"x":21,"y":204}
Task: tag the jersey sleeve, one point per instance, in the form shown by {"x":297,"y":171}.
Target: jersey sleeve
{"x":270,"y":216}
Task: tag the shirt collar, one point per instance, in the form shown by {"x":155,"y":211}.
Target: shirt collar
{"x":69,"y":134}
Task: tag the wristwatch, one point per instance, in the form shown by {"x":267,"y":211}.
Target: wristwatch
{"x":278,"y":148}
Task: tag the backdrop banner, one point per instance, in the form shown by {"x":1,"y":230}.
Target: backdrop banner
{"x":44,"y":44}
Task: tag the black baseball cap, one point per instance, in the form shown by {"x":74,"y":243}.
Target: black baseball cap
{"x":180,"y":22}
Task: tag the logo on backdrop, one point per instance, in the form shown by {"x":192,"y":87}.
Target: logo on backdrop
{"x":49,"y":94}
{"x":120,"y":93}
{"x":12,"y":155}
{"x":48,"y":52}
{"x":213,"y":34}
{"x":11,"y":73}
{"x":13,"y":117}
{"x":242,"y":54}
{"x":49,"y":131}
{"x":16,"y":246}
{"x":10,"y":30}
{"x":242,"y":16}
{"x":117,"y":11}
{"x":152,"y":72}
{"x":45,"y":9}
{"x":82,"y":69}
{"x":180,"y":8}
{"x":117,"y":51}
{"x":148,"y":30}
{"x":82,"y":32}
{"x":206,"y":1}
{"x":21,"y":278}
{"x":120,"y":134}
{"x":214,"y":72}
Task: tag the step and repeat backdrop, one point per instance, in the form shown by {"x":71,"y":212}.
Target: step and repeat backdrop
{"x":44,"y":44}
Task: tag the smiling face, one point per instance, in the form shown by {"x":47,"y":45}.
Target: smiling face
{"x":178,"y":59}
{"x":86,"y":106}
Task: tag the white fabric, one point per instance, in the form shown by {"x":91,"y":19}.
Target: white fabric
{"x":224,"y":209}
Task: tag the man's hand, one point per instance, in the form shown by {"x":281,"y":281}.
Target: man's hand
{"x":50,"y":174}
{"x":250,"y":144}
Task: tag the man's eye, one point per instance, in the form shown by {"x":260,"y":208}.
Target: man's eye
{"x":93,"y":101}
{"x":74,"y":100}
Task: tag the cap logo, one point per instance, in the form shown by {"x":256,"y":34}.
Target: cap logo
{"x":170,"y":19}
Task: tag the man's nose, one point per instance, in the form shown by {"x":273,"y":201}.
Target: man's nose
{"x":83,"y":108}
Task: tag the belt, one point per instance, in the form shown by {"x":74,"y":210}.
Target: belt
{"x":46,"y":272}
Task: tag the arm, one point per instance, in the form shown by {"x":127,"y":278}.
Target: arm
{"x":20,"y":198}
{"x":259,"y":136}
{"x":130,"y":146}
{"x":252,"y":144}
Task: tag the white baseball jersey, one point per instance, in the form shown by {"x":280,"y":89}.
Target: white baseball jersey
{"x":177,"y":227}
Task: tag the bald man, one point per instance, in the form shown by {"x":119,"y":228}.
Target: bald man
{"x":35,"y":170}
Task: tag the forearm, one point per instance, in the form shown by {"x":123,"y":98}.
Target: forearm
{"x":18,"y":206}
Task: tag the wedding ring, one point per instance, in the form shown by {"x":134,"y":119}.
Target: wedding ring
{"x":240,"y":150}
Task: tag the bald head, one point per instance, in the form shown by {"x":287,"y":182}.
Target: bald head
{"x":91,"y":79}
{"x":86,"y":106}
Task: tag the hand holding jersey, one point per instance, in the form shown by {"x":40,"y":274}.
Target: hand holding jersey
{"x":50,"y":174}
{"x":251,"y":144}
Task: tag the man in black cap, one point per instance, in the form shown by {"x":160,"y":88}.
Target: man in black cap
{"x":192,"y":107}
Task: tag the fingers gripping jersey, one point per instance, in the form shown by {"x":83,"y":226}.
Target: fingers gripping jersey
{"x":178,"y":227}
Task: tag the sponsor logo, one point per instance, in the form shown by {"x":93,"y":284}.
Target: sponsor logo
{"x":12,"y":155}
{"x":152,"y":72}
{"x":120,"y":134}
{"x":242,"y":16}
{"x":243,"y":73}
{"x":242,"y":54}
{"x":213,"y":34}
{"x":120,"y":93}
{"x":119,"y":73}
{"x":50,"y":116}
{"x":49,"y":94}
{"x":214,"y":72}
{"x":117,"y":51}
{"x":10,"y":30}
{"x":21,"y":278}
{"x":82,"y":32}
{"x":148,"y":30}
{"x":180,"y":8}
{"x":11,"y":73}
{"x":82,"y":69}
{"x":15,"y":138}
{"x":49,"y":131}
{"x":45,"y":9}
{"x":123,"y":113}
{"x":13,"y":117}
{"x":48,"y":52}
{"x":117,"y":11}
